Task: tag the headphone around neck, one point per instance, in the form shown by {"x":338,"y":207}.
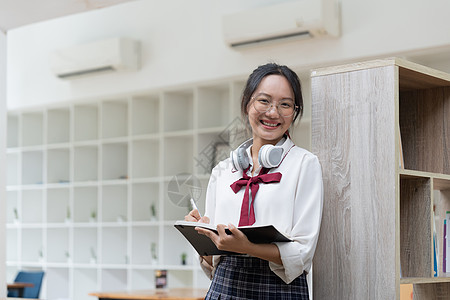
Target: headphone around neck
{"x":269,"y":156}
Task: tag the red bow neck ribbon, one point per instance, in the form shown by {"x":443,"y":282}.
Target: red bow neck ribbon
{"x":248,"y":215}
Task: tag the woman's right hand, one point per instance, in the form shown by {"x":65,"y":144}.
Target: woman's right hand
{"x":194,"y":216}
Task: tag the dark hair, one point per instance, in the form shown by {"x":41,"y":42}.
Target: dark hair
{"x":257,"y":76}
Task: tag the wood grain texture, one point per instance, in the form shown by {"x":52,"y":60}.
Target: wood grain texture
{"x":375,"y":215}
{"x":435,"y":291}
{"x":416,"y":79}
{"x":353,"y":134}
{"x":412,"y":76}
{"x":421,"y":280}
{"x":415,"y":227}
{"x":425,"y":129}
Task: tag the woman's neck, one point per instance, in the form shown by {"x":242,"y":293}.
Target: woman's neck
{"x":257,"y":144}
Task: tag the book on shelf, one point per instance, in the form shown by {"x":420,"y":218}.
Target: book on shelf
{"x":447,"y":242}
{"x":444,"y":247}
{"x":435,"y":244}
{"x":204,"y":246}
{"x":435,"y":256}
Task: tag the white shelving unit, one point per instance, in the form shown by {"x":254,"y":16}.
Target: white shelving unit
{"x":83,"y":179}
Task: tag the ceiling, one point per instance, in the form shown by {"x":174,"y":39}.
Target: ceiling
{"x":16,"y":13}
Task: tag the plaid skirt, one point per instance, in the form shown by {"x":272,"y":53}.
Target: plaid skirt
{"x":242,"y":277}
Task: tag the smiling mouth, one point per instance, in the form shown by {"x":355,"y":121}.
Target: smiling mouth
{"x":270,"y":124}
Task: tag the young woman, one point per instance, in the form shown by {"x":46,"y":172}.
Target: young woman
{"x":267,"y":180}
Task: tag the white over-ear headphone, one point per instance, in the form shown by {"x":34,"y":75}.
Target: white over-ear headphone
{"x":269,"y":156}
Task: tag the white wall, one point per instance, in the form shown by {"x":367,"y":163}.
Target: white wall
{"x":182,"y":42}
{"x":2,"y":163}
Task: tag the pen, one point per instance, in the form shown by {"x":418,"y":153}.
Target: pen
{"x":195,"y":207}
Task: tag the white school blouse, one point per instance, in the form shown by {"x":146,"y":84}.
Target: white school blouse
{"x":293,"y":206}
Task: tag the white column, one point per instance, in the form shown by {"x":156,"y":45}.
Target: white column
{"x":2,"y":164}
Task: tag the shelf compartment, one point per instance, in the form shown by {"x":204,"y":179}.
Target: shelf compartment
{"x":12,"y":252}
{"x":174,"y":246}
{"x":13,"y":131}
{"x":114,"y":203}
{"x":85,"y":245}
{"x":114,"y":280}
{"x":178,"y":110}
{"x":115,"y":161}
{"x":58,"y":245}
{"x":428,"y":291}
{"x":58,"y":206}
{"x":11,"y":273}
{"x":145,"y":115}
{"x":179,"y":191}
{"x":12,"y":207}
{"x":114,"y":119}
{"x":32,"y":204}
{"x":85,"y":204}
{"x":145,"y":159}
{"x":441,"y":204}
{"x":212,"y":149}
{"x":201,"y":196}
{"x":12,"y":175}
{"x":85,"y":122}
{"x":237,"y":88}
{"x":213,"y":106}
{"x":58,"y":126}
{"x":415,"y":227}
{"x":114,"y":246}
{"x":32,"y":129}
{"x":58,"y":166}
{"x":145,"y":198}
{"x":178,"y":155}
{"x":234,"y":133}
{"x":57,"y":283}
{"x":32,"y":245}
{"x":32,"y":167}
{"x":85,"y":163}
{"x":145,"y":245}
{"x":85,"y":283}
{"x":179,"y":279}
{"x":424,"y":129}
{"x":142,"y":280}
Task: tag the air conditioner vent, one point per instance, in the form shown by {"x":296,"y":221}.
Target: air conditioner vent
{"x":112,"y":55}
{"x":298,"y":19}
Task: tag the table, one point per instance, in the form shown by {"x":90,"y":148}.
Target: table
{"x":168,"y":294}
{"x":19,"y":286}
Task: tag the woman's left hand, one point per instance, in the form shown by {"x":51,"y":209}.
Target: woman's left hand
{"x":235,"y":242}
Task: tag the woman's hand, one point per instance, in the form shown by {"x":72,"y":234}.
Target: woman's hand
{"x":194,"y":216}
{"x":235,"y":242}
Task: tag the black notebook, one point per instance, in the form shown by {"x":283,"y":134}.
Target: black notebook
{"x":204,"y":246}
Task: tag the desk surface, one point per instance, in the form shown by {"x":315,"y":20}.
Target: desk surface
{"x":19,"y":285}
{"x":169,"y":294}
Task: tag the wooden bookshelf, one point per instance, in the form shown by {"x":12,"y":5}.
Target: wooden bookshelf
{"x":377,"y":227}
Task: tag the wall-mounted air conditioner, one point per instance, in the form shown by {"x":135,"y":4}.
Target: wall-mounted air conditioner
{"x":288,"y":20}
{"x":111,"y":55}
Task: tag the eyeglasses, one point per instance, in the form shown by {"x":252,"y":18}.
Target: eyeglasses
{"x":285,"y":108}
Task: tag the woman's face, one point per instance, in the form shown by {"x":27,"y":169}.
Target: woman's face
{"x":270,"y":126}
